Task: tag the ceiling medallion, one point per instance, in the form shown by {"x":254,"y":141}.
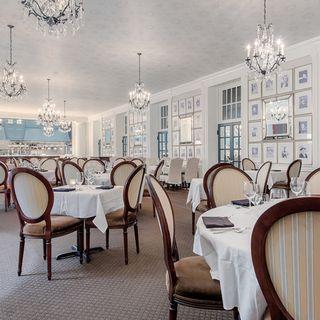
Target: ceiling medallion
{"x":12,"y":85}
{"x":266,"y":56}
{"x":55,"y":16}
{"x":65,"y":125}
{"x":139,"y":98}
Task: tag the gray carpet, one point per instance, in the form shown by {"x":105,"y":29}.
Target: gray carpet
{"x":102,"y":289}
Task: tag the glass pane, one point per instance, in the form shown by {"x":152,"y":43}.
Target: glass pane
{"x":236,"y":143}
{"x":229,"y":96}
{"x":221,"y":132}
{"x":235,"y":130}
{"x":224,"y":113}
{"x":222,"y":155}
{"x":227,"y":155}
{"x":224,"y":97}
{"x":228,"y":131}
{"x":239,"y":93}
{"x":228,"y":140}
{"x":234,"y":94}
{"x":228,"y":111}
{"x":222,"y":143}
{"x":239,"y":110}
{"x":234,"y":111}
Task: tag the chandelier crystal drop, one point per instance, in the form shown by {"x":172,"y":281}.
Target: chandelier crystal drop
{"x":48,"y":117}
{"x":56,"y":16}
{"x":12,"y":85}
{"x":139,"y":98}
{"x":266,"y":56}
{"x":65,"y":125}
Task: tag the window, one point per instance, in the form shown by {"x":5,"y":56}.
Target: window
{"x":124,"y":146}
{"x":162,"y":144}
{"x":125,"y":125}
{"x":164,"y":117}
{"x":231,"y":103}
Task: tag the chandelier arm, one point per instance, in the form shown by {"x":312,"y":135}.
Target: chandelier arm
{"x":10,"y":43}
{"x":265,"y":12}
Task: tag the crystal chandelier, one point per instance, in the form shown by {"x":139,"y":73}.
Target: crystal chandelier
{"x":278,"y":112}
{"x":54,"y":16}
{"x":48,"y":117}
{"x":266,"y":56}
{"x":12,"y":86}
{"x":65,"y":125}
{"x":139,"y":99}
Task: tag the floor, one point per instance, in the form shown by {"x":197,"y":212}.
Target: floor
{"x":103,"y":289}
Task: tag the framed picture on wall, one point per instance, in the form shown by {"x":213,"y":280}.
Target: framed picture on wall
{"x":189,"y":108}
{"x":254,"y":89}
{"x":303,"y":77}
{"x":182,"y":106}
{"x":198,"y":136}
{"x":175,"y":138}
{"x":255,"y":110}
{"x":198,"y":152}
{"x":175,"y":152}
{"x":186,"y":130}
{"x":197,"y":103}
{"x":269,"y":86}
{"x":304,"y":151}
{"x":255,"y":131}
{"x":190,"y":152}
{"x":284,"y":82}
{"x":285,"y":152}
{"x":175,"y":108}
{"x":303,"y":128}
{"x":197,"y":120}
{"x":303,"y":102}
{"x":183,"y":152}
{"x":270,"y":152}
{"x":255,"y":152}
{"x":175,"y":123}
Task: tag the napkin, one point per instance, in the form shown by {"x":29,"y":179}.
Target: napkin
{"x":43,"y":170}
{"x":217,"y":222}
{"x":242,"y":202}
{"x":104,"y":187}
{"x":64,"y":189}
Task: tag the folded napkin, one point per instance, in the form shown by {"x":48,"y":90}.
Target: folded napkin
{"x":67,"y":189}
{"x":104,"y":187}
{"x":43,"y":170}
{"x":242,"y":202}
{"x":217,"y":222}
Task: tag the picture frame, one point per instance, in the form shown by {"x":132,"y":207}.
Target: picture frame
{"x":255,"y":131}
{"x":183,"y":152}
{"x":190,"y":152}
{"x":175,"y":123}
{"x":197,"y":120}
{"x":198,"y":152}
{"x":285,"y":152}
{"x":255,"y":110}
{"x":182,"y":106}
{"x":284,"y":81}
{"x":189,"y":106}
{"x":175,"y":138}
{"x":197,"y":103}
{"x":303,"y":77}
{"x":254,"y":87}
{"x":304,"y":151}
{"x":269,"y":86}
{"x":186,"y":130}
{"x":175,"y":152}
{"x":303,"y":128}
{"x":198,"y":136}
{"x":303,"y":102}
{"x":175,"y":108}
{"x":270,"y":152}
{"x":255,"y":152}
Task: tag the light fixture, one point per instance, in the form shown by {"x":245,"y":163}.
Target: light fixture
{"x":12,"y":85}
{"x":48,"y":117}
{"x":139,"y":99}
{"x":65,"y":125}
{"x":55,"y":16}
{"x":266,"y":56}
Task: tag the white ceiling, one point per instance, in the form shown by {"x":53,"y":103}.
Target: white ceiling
{"x":181,"y":40}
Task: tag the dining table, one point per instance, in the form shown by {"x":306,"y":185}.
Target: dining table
{"x":196,"y":193}
{"x":228,"y":254}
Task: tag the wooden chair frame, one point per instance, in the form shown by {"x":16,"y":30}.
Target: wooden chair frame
{"x":6,"y":190}
{"x":115,"y":168}
{"x":95,"y":160}
{"x":248,"y":159}
{"x":265,"y":187}
{"x":69,"y":162}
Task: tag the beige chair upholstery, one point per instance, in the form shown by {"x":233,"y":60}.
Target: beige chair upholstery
{"x":313,"y":182}
{"x":227,"y":185}
{"x":174,"y":174}
{"x":3,"y":175}
{"x":134,"y":189}
{"x":137,"y":161}
{"x":118,"y":160}
{"x":263,"y":176}
{"x":294,"y":169}
{"x":121,"y":172}
{"x":192,"y":169}
{"x":95,"y":165}
{"x":49,"y":164}
{"x":70,"y":171}
{"x":248,"y":164}
{"x":81,"y":162}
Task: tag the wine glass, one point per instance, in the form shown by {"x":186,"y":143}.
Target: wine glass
{"x":249,"y":190}
{"x":278,"y":194}
{"x":296,"y":186}
{"x":258,"y":195}
{"x":79,"y":180}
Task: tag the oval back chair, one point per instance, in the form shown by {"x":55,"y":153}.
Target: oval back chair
{"x":4,"y":184}
{"x":137,"y":161}
{"x":284,"y":249}
{"x":158,"y":170}
{"x":81,"y":162}
{"x":263,"y":176}
{"x":96,"y":165}
{"x":121,"y":172}
{"x":248,"y":164}
{"x":174,"y":174}
{"x":51,"y":165}
{"x":70,"y":170}
{"x":192,"y":169}
{"x":313,"y":182}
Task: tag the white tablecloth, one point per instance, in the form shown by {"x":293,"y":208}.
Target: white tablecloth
{"x":102,"y":179}
{"x":228,"y":255}
{"x":89,"y":202}
{"x":196,"y":193}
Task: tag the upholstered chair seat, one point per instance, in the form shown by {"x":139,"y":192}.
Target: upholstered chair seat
{"x":58,"y":224}
{"x":202,"y":206}
{"x":116,"y":218}
{"x":194,"y":281}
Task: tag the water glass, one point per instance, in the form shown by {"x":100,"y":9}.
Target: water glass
{"x":249,"y":190}
{"x":79,"y":180}
{"x":278,"y":194}
{"x":297,"y":186}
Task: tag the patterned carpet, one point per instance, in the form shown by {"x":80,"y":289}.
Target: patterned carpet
{"x":102,"y":289}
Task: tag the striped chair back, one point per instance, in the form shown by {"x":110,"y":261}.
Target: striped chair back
{"x":285,"y":243}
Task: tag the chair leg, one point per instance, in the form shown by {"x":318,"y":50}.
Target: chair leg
{"x":80,"y":237}
{"x":173,"y":311}
{"x":44,"y":249}
{"x":125,"y":244}
{"x":6,"y":202}
{"x":136,"y":236}
{"x":193,"y":221}
{"x":107,"y":238}
{"x":154,"y":210}
{"x":235,"y":314}
{"x":21,"y":251}
{"x":88,"y":244}
{"x":48,"y":242}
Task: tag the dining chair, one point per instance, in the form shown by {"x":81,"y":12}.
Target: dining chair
{"x":188,"y":280}
{"x":120,"y":172}
{"x":50,"y":164}
{"x":33,"y":198}
{"x":284,"y":249}
{"x":293,"y":170}
{"x":248,"y":164}
{"x":313,"y":182}
{"x":174,"y":176}
{"x":81,"y":162}
{"x":227,"y":185}
{"x":206,"y":204}
{"x":34,"y":160}
{"x":59,"y":170}
{"x":4,"y":188}
{"x":70,"y":170}
{"x":191,"y":172}
{"x":118,"y":160}
{"x":126,"y":217}
{"x":263,"y":176}
{"x":74,"y":159}
{"x":96,"y":165}
{"x":137,"y":161}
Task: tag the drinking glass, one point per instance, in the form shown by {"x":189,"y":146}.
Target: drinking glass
{"x":249,"y":190}
{"x":258,"y":195}
{"x":79,"y":180}
{"x":278,"y":194}
{"x":72,"y":182}
{"x":297,"y":186}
